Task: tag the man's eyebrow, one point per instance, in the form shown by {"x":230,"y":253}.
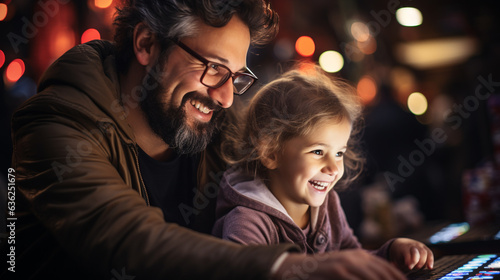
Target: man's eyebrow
{"x":223,"y":61}
{"x":216,"y":57}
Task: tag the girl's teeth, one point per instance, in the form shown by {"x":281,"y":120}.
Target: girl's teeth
{"x":319,"y":185}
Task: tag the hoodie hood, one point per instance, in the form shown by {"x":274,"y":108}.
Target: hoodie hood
{"x":90,"y":68}
{"x":239,"y":189}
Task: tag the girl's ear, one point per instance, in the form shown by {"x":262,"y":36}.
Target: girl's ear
{"x":145,"y":44}
{"x":270,"y":161}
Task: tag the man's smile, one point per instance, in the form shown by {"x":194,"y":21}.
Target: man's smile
{"x":202,"y":108}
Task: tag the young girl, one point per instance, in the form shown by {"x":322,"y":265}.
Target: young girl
{"x":296,"y":143}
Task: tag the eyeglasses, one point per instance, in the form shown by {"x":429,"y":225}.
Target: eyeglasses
{"x":215,"y":74}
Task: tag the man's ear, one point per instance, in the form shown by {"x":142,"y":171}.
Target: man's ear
{"x":145,"y":44}
{"x":270,"y":161}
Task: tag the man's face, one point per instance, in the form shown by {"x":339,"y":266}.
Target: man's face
{"x":180,"y":109}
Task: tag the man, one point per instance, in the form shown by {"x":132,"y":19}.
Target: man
{"x":112,"y":155}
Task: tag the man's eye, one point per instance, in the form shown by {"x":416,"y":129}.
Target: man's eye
{"x":317,"y":152}
{"x":213,"y":69}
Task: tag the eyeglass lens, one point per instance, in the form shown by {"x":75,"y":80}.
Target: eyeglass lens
{"x":216,"y":75}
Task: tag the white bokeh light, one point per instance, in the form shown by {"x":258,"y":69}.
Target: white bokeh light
{"x":331,"y":61}
{"x":417,"y":103}
{"x":409,"y":16}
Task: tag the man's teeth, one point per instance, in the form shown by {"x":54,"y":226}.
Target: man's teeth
{"x":319,"y":185}
{"x":200,"y":107}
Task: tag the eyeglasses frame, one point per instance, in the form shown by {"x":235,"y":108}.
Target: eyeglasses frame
{"x":206,"y":62}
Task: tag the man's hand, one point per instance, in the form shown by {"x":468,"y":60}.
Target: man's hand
{"x":345,"y":264}
{"x":409,"y":254}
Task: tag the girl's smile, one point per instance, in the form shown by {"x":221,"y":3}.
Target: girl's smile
{"x":309,"y":166}
{"x":319,"y":185}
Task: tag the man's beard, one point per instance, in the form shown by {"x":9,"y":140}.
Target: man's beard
{"x":171,"y":123}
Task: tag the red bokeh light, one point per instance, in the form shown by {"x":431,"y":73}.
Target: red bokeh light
{"x":89,"y":35}
{"x":2,"y":58}
{"x":15,"y":70}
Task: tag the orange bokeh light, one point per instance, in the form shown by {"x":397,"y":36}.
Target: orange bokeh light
{"x":3,"y":11}
{"x":2,"y":58}
{"x":369,"y":46}
{"x":103,"y":4}
{"x":305,"y":46}
{"x":367,"y":89}
{"x":90,"y":34}
{"x":15,"y":70}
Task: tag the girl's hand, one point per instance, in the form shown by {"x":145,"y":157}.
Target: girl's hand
{"x":408,"y":254}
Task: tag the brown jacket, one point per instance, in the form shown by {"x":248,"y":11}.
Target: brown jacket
{"x":81,"y":203}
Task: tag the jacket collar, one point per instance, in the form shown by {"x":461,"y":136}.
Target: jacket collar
{"x":256,"y":192}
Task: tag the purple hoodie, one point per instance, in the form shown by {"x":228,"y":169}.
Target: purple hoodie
{"x":248,"y":213}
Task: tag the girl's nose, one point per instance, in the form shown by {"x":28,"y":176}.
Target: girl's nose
{"x":331,"y":167}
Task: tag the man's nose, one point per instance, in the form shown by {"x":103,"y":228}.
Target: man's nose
{"x":224,"y":94}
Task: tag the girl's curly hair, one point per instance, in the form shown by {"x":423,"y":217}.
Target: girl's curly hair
{"x":291,"y":106}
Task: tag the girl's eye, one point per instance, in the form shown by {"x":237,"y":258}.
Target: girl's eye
{"x":317,"y":152}
{"x":339,"y":154}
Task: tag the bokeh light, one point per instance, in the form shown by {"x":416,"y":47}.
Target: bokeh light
{"x":2,"y":58}
{"x":89,"y":35}
{"x":417,"y":103}
{"x":3,"y":11}
{"x":369,"y":46}
{"x":404,"y":82}
{"x":367,"y":89}
{"x":409,"y":16}
{"x":331,"y":61}
{"x":439,"y":52}
{"x":352,"y":51}
{"x":15,"y":70}
{"x":103,"y":4}
{"x":360,"y":31}
{"x":305,"y":46}
{"x":64,"y":39}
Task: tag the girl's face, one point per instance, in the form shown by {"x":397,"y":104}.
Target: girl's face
{"x":309,"y":166}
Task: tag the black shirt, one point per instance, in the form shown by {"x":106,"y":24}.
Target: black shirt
{"x":171,"y":185}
